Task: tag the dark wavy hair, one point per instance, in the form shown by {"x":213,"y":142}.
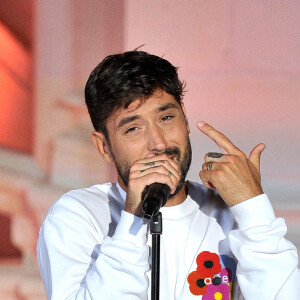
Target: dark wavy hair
{"x":122,"y":78}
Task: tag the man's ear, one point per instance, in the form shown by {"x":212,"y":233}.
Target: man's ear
{"x":102,"y":145}
{"x":185,"y":117}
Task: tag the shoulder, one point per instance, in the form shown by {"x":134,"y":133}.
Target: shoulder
{"x":79,"y":220}
{"x":88,"y":198}
{"x":97,"y":204}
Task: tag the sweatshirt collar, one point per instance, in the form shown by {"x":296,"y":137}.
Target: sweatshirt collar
{"x":171,"y":212}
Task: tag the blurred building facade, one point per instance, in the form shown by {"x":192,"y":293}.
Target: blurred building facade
{"x":241,"y":64}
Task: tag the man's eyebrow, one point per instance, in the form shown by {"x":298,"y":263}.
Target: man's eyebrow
{"x":126,"y":120}
{"x":167,"y":106}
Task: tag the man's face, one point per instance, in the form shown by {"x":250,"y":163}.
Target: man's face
{"x":146,"y":128}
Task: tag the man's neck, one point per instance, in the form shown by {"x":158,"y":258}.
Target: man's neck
{"x":178,"y":198}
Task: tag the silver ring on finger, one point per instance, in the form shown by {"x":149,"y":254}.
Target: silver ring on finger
{"x":209,"y":165}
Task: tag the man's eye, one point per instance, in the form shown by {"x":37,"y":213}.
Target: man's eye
{"x":131,"y":129}
{"x":167,"y":117}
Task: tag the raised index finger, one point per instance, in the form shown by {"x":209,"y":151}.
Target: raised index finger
{"x":219,"y":138}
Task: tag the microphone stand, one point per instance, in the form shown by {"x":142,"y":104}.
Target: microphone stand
{"x":155,"y":197}
{"x":155,"y":231}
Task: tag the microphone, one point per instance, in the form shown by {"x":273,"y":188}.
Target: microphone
{"x":155,"y":196}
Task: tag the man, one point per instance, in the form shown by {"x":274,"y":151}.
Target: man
{"x":94,"y":242}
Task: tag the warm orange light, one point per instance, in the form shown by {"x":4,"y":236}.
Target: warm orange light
{"x":15,"y":94}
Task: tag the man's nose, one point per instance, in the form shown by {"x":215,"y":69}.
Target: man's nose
{"x":156,"y":139}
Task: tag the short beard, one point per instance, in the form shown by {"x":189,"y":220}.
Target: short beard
{"x":183,"y":160}
{"x":184,"y":163}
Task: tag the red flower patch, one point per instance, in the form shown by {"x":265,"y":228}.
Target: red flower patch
{"x":208,"y":264}
{"x":197,"y":284}
{"x":210,"y":280}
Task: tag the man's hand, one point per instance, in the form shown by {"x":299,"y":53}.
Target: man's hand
{"x":157,"y":168}
{"x":233,"y":175}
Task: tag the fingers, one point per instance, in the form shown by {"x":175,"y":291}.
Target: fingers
{"x":157,"y":174}
{"x":255,"y":154}
{"x":214,"y":156}
{"x":160,"y":168}
{"x":219,"y":138}
{"x":153,"y":177}
{"x":155,"y":168}
{"x":206,"y":173}
{"x":233,"y":174}
{"x":156,"y":160}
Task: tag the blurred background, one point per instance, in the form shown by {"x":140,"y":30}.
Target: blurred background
{"x":241,"y":62}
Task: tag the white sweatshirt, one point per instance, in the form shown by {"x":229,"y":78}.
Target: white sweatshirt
{"x":89,"y":248}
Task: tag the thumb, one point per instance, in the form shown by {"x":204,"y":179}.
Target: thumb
{"x":255,"y":154}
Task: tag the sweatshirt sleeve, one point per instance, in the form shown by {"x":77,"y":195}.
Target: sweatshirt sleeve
{"x":267,"y":262}
{"x":73,"y":266}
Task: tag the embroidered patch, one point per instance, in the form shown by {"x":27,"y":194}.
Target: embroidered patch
{"x":217,"y":292}
{"x":213,"y":276}
{"x":197,"y":284}
{"x":208,"y":264}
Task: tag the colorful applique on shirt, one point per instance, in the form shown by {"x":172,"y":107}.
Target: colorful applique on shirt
{"x":213,"y":278}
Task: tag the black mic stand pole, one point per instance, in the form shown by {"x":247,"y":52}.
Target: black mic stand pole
{"x":156,"y":231}
{"x":155,"y":197}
